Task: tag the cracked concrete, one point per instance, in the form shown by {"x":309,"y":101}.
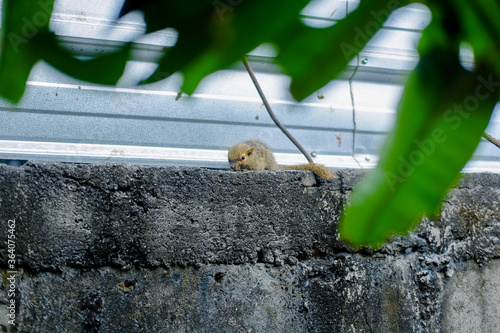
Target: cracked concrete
{"x":124,"y":248}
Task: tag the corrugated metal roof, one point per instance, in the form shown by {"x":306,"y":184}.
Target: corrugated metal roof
{"x":344,"y":123}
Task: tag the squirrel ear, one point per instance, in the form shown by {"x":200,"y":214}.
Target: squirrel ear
{"x":249,"y":151}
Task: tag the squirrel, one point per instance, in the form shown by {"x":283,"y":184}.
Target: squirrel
{"x":256,"y":156}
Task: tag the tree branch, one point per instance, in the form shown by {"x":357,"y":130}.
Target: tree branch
{"x":491,"y":139}
{"x":271,"y":113}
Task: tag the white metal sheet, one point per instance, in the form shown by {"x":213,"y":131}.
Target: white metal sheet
{"x":344,"y":123}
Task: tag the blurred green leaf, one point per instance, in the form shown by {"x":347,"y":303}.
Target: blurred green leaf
{"x":216,"y":36}
{"x":104,"y":69}
{"x":26,"y":40}
{"x":191,"y":20}
{"x":442,"y":114}
{"x":239,"y":32}
{"x":178,"y":14}
{"x":313,"y":57}
{"x":481,"y":29}
{"x":22,"y":20}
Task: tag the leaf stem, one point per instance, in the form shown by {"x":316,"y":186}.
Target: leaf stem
{"x":271,"y":113}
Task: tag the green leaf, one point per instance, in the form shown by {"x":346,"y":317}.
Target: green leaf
{"x":218,"y":35}
{"x":442,"y":115}
{"x":314,"y":57}
{"x":104,"y":69}
{"x":22,"y":20}
{"x":26,"y":40}
{"x":481,"y":29}
{"x":178,"y":14}
{"x":192,"y":20}
{"x":235,"y":33}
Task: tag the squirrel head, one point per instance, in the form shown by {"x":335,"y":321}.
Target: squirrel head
{"x":240,"y":156}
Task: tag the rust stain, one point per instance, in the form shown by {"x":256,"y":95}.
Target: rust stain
{"x":339,"y":139}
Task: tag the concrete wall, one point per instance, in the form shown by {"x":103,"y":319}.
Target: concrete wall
{"x":122,"y":248}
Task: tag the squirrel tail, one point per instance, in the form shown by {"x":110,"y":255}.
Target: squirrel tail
{"x":321,"y":171}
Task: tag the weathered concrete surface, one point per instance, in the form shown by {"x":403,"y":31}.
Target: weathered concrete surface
{"x":121,"y":248}
{"x":472,"y":300}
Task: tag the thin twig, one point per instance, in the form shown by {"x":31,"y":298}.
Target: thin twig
{"x":271,"y":113}
{"x":491,"y":139}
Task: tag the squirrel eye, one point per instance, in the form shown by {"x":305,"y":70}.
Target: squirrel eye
{"x":243,"y":157}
